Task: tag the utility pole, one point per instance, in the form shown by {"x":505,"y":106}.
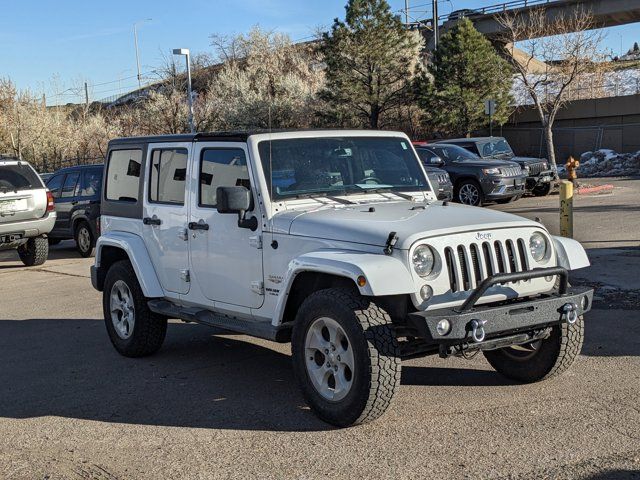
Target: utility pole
{"x":135,"y":40}
{"x":406,"y":13}
{"x":86,"y":94}
{"x":435,"y":23}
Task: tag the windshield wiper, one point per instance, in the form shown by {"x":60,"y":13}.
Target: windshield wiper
{"x":387,"y":190}
{"x":344,"y":201}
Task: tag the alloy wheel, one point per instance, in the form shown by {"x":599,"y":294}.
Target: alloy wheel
{"x":469,"y":194}
{"x":84,"y":239}
{"x":329,"y":359}
{"x":122,"y":309}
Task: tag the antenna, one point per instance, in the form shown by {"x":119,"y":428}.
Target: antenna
{"x":271,"y":179}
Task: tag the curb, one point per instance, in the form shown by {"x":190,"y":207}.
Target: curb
{"x":595,"y":189}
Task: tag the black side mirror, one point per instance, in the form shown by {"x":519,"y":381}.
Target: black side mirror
{"x":236,"y":200}
{"x":437,"y":161}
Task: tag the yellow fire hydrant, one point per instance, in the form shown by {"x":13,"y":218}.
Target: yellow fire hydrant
{"x":572,"y":167}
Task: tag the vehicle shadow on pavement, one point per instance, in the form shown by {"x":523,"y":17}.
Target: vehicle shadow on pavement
{"x":452,"y":377}
{"x":68,"y":368}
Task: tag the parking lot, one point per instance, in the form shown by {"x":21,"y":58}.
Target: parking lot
{"x":218,"y":405}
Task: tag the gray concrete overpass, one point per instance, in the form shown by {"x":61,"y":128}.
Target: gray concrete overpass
{"x":607,"y":13}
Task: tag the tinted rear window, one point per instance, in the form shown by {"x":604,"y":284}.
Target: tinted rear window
{"x":123,"y":175}
{"x":18,"y":176}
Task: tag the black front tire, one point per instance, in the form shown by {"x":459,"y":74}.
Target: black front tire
{"x":149,"y":328}
{"x":85,"y":241}
{"x":377,"y":365}
{"x":550,"y":357}
{"x":542,"y":190}
{"x":34,"y":251}
{"x":469,"y":192}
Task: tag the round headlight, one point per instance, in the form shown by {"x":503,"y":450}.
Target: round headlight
{"x":423,"y":260}
{"x":538,"y":246}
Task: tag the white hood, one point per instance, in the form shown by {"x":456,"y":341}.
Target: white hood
{"x":411,"y":221}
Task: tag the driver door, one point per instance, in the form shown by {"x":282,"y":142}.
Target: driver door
{"x":226,"y":260}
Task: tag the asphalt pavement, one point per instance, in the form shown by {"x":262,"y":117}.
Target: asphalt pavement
{"x":216,"y":405}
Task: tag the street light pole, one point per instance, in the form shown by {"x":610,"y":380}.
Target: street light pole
{"x":435,"y":23}
{"x":135,"y":39}
{"x":185,"y":52}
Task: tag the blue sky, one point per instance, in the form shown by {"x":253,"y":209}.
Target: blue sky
{"x":53,"y":47}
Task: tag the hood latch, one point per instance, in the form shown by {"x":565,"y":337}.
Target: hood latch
{"x":392,"y":239}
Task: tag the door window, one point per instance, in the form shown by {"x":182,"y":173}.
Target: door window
{"x":90,"y":183}
{"x":221,"y":167}
{"x":69,"y":186}
{"x":54,"y":185}
{"x":123,"y":175}
{"x":168,"y":176}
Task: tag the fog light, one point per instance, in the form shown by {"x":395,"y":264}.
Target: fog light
{"x":549,"y":278}
{"x":443,"y":327}
{"x":584,"y":303}
{"x":426,"y":292}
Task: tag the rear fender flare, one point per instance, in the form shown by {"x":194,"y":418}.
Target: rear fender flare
{"x":138,"y":255}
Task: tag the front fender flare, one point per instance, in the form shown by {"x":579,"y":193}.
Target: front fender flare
{"x":138,"y":255}
{"x":385,"y":275}
{"x":570,"y":253}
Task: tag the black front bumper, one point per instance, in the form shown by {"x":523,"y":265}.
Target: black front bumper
{"x":504,"y":318}
{"x":542,"y":178}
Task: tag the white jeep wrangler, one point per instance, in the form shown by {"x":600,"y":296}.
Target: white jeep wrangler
{"x":332,"y":240}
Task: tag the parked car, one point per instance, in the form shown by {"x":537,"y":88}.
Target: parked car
{"x":540,"y":176}
{"x":440,"y":180}
{"x":27,"y":211}
{"x":77,"y":195}
{"x":476,"y":181}
{"x":349,"y":256}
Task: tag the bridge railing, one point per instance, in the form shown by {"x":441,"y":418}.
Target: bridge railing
{"x":497,"y":8}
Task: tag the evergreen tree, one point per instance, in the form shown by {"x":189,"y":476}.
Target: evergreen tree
{"x":370,"y":58}
{"x":635,"y":47}
{"x":466,"y":70}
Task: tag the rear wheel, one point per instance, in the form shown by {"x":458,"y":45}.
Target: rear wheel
{"x":469,"y":192}
{"x":541,"y":359}
{"x":84,"y":239}
{"x":134,"y":330}
{"x":34,"y":252}
{"x":345,"y":357}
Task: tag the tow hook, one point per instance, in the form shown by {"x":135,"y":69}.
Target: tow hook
{"x":477,"y":330}
{"x":570,"y":311}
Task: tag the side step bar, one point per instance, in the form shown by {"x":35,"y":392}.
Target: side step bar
{"x":280,"y":334}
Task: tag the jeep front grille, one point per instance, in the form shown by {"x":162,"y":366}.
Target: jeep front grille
{"x":511,"y":171}
{"x":536,"y":168}
{"x":469,"y":265}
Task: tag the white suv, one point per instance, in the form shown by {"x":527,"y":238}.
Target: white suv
{"x":332,"y":240}
{"x":27,"y":211}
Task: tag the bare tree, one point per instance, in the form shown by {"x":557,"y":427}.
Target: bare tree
{"x":569,"y":48}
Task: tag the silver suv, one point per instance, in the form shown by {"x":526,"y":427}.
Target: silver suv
{"x":27,"y":211}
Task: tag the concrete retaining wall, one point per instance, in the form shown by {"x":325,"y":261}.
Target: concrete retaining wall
{"x":581,"y":126}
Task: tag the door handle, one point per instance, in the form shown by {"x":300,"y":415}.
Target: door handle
{"x":151,"y":220}
{"x":198,"y":225}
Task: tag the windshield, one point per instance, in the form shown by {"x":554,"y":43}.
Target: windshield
{"x":18,"y":176}
{"x":340,"y":165}
{"x":453,"y":153}
{"x":497,"y":147}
